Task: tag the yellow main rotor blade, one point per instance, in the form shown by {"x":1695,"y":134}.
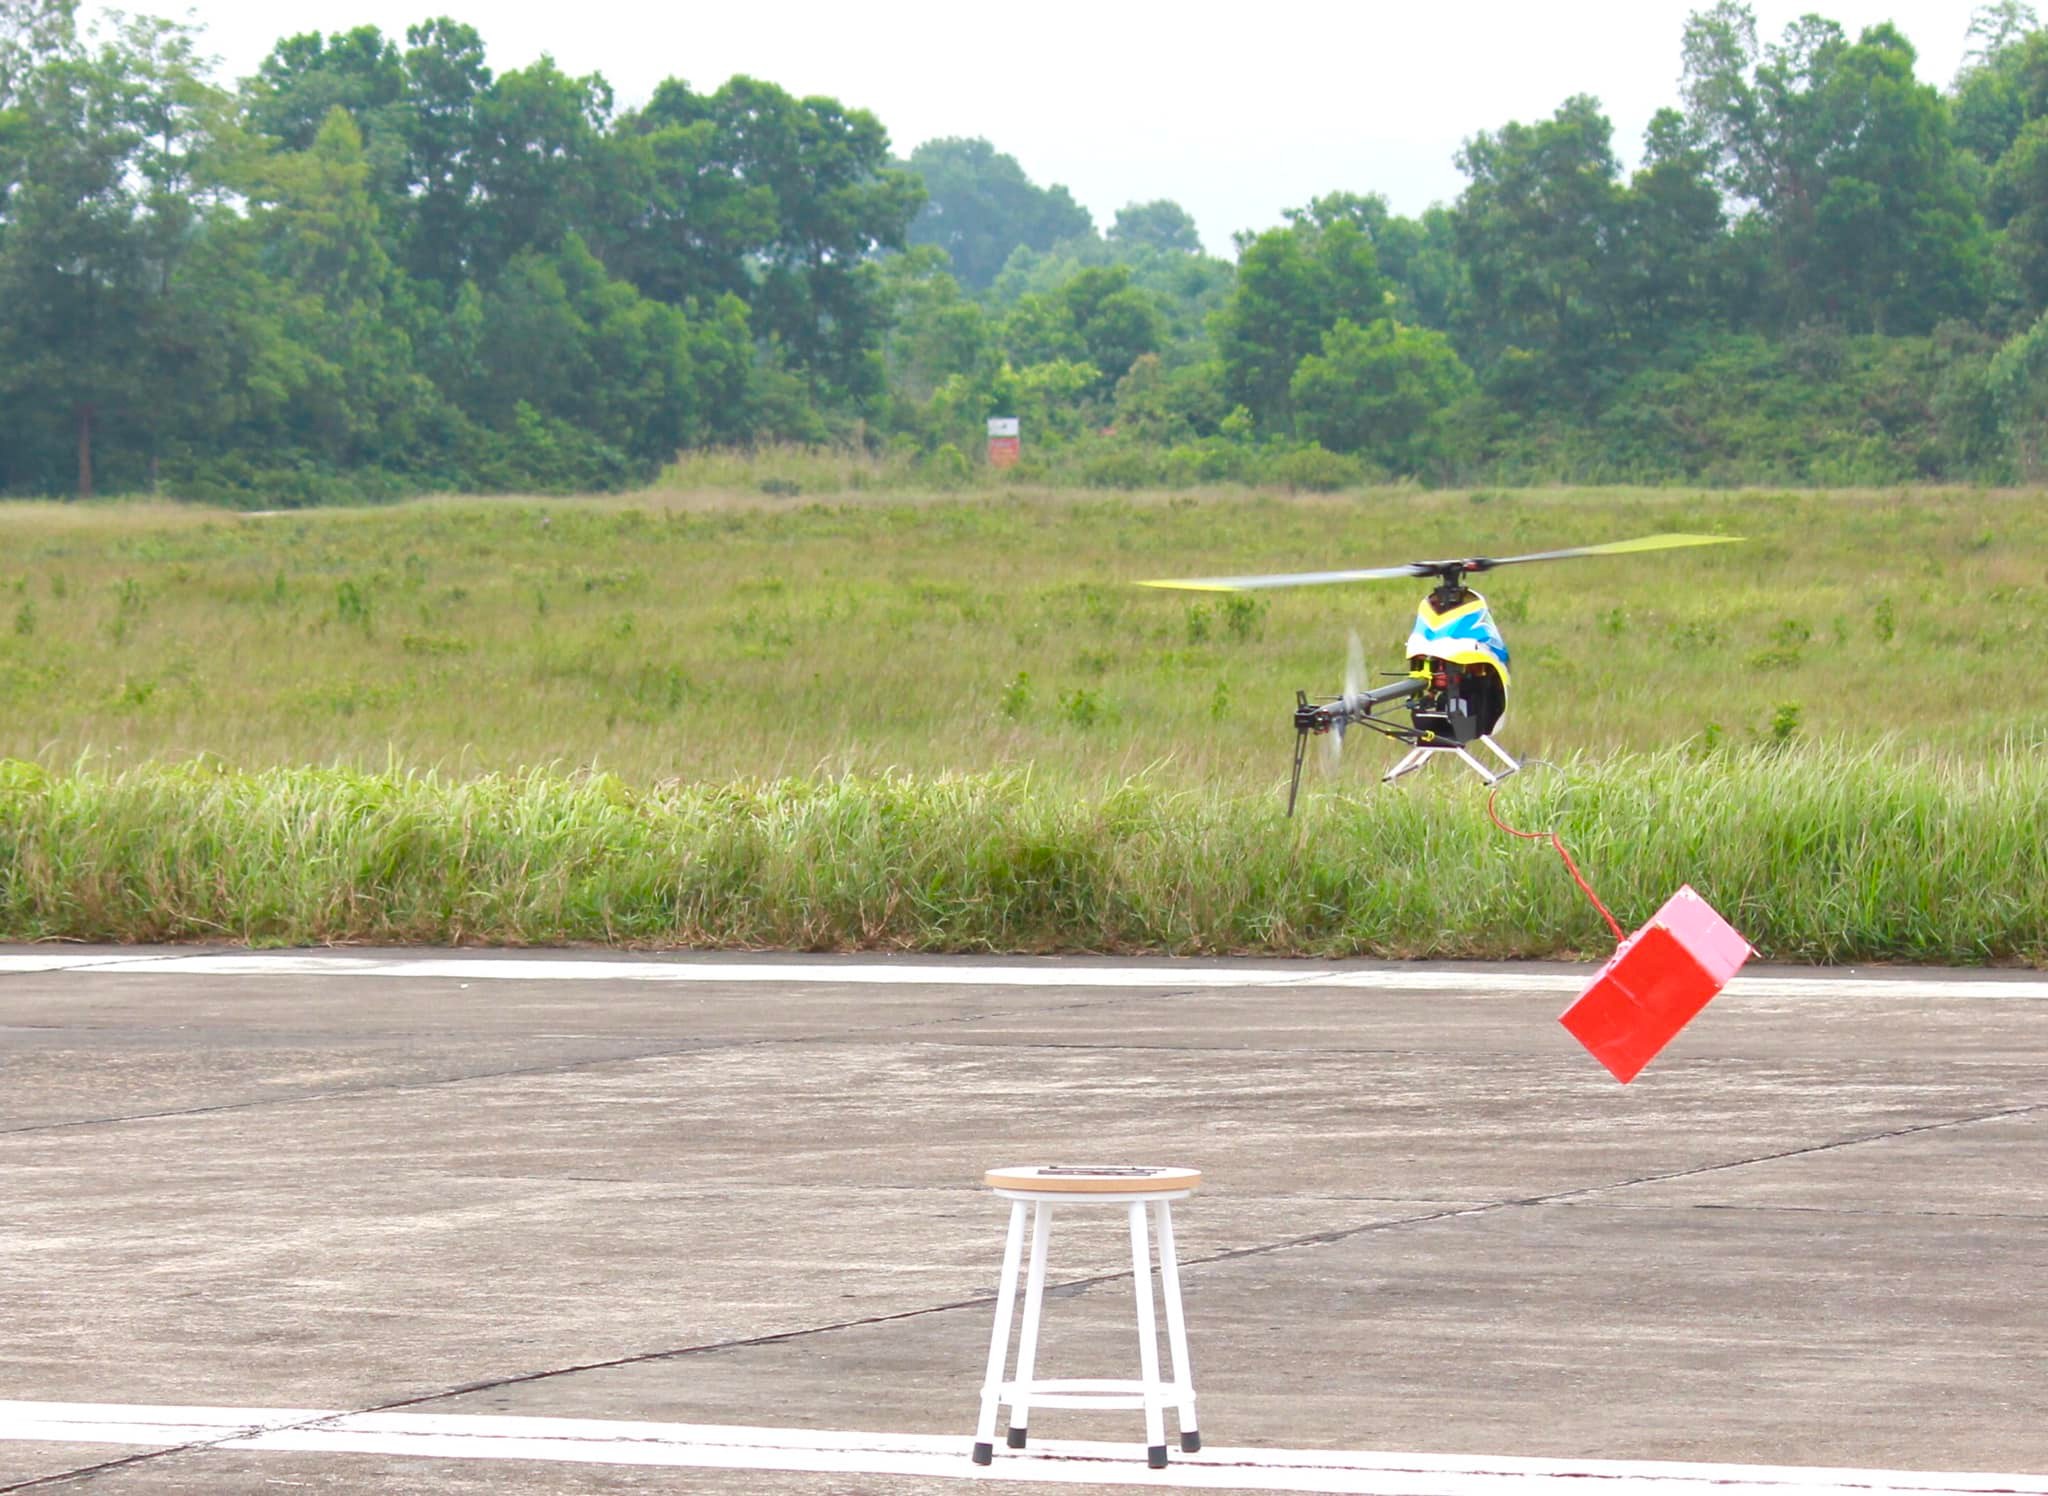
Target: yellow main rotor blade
{"x":1623,"y":547}
{"x":1433,"y":568}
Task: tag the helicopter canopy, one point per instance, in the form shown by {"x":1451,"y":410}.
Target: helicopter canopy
{"x":1464,"y":635}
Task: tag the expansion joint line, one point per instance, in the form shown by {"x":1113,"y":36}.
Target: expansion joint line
{"x":1911,"y":1130}
{"x":489,"y":1384}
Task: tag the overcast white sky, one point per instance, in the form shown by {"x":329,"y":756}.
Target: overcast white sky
{"x":1236,"y":112}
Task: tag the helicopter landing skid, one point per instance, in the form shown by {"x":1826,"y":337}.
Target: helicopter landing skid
{"x":1419,"y":755}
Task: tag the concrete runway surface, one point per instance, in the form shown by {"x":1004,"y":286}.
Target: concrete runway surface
{"x":539,"y":1222}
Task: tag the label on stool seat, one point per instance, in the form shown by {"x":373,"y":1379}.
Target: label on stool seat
{"x":1111,"y":1171}
{"x":1094,"y":1179}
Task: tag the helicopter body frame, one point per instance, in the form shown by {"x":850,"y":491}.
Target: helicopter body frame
{"x":1455,"y":693}
{"x":1455,"y":690}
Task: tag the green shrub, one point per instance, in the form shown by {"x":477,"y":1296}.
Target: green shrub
{"x":946,"y":468}
{"x":1313,"y":469}
{"x":1120,"y":467}
{"x":1210,"y":461}
{"x":1082,"y":706}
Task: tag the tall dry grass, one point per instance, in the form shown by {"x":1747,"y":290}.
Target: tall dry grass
{"x":1815,"y":855}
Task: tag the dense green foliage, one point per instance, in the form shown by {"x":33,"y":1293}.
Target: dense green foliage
{"x":379,"y":266}
{"x":1812,"y":858}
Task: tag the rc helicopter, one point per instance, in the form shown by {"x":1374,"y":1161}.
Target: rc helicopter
{"x":1456,"y":685}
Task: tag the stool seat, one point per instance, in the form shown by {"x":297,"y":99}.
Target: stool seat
{"x":1144,"y":1191}
{"x":1134,"y":1180}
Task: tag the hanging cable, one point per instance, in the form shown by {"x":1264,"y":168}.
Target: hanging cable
{"x":1570,"y":866}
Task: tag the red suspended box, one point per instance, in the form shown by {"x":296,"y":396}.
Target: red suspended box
{"x":1654,"y":984}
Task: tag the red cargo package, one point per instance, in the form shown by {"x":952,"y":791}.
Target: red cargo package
{"x":1654,"y":983}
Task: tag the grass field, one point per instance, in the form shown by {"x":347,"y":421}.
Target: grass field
{"x":675,"y":635}
{"x":953,"y":723}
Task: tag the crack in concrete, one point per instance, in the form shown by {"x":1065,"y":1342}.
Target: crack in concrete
{"x":84,"y":1472}
{"x":1838,"y":1210}
{"x":1405,"y":1051}
{"x":201,"y":1446}
{"x":1909,"y":1130}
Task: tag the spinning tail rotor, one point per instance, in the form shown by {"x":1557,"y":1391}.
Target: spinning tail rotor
{"x":1350,"y":701}
{"x":1330,"y":718}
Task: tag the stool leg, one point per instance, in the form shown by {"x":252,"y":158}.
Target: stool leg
{"x":1176,"y":1326}
{"x":999,"y":1341}
{"x":1148,"y":1340}
{"x":1034,"y":1303}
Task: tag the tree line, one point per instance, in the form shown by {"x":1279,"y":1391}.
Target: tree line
{"x":378,"y":266}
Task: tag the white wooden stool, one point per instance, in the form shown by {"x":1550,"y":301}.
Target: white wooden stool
{"x":1044,"y":1187}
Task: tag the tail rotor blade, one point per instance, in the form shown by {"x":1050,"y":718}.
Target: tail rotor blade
{"x":1351,"y":701}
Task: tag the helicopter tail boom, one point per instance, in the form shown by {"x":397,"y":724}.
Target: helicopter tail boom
{"x":1336,"y":714}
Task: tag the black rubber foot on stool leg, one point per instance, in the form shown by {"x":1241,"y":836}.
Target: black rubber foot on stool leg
{"x":1156,"y":1457}
{"x":1017,"y":1438}
{"x":1190,"y":1442}
{"x":984,"y":1454}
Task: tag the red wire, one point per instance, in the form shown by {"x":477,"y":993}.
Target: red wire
{"x":1570,"y":866}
